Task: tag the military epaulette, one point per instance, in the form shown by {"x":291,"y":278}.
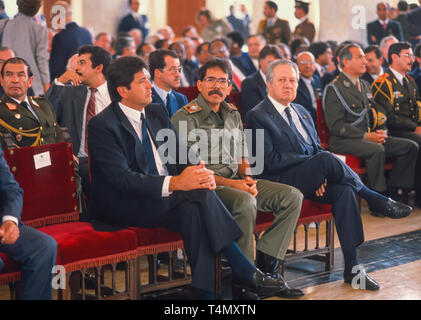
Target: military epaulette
{"x":32,"y":100}
{"x":378,"y":84}
{"x":192,"y":108}
{"x":233,"y":107}
{"x":382,"y":78}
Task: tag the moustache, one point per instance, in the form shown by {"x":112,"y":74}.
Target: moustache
{"x":219,"y":93}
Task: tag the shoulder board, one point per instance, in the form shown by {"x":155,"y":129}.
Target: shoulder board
{"x":12,"y":106}
{"x":35,"y":103}
{"x":233,"y":107}
{"x":410,"y":77}
{"x":192,"y":108}
{"x":383,"y":77}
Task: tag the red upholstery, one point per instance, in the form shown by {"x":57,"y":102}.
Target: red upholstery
{"x":190,"y":92}
{"x":9,"y":264}
{"x":54,"y":202}
{"x":310,"y":212}
{"x":235,"y":99}
{"x":150,"y":241}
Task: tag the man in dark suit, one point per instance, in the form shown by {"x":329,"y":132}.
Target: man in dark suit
{"x":255,"y":86}
{"x":35,"y":250}
{"x":165,"y":69}
{"x":293,"y":155}
{"x":134,"y":183}
{"x":375,"y":68}
{"x":187,"y":74}
{"x":383,"y":27}
{"x":134,"y":20}
{"x":323,"y":55}
{"x":309,"y":86}
{"x":416,"y":72}
{"x":66,"y":43}
{"x":79,"y":95}
{"x":273,"y":29}
{"x":414,"y":25}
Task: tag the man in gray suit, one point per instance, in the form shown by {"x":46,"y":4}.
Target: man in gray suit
{"x":79,"y":95}
{"x":349,"y":104}
{"x":31,"y":43}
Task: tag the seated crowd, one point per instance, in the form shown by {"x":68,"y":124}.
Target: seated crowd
{"x":116,"y":97}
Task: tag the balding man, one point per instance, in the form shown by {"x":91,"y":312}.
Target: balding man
{"x":66,"y":43}
{"x":384,"y":47}
{"x":104,"y":41}
{"x":383,"y":26}
{"x":309,"y":86}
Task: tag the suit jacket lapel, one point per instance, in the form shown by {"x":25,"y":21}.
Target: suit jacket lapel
{"x":303,"y":88}
{"x":305,"y":125}
{"x":283,"y":125}
{"x":261,"y":84}
{"x":78,"y":105}
{"x":138,"y":149}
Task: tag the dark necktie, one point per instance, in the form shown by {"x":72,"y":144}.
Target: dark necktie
{"x":171,"y":104}
{"x":405,"y":83}
{"x":27,"y":107}
{"x":147,"y":149}
{"x":90,"y":113}
{"x":292,"y":125}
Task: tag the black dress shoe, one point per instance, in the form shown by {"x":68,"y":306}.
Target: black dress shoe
{"x":362,"y":281}
{"x":272,"y":267}
{"x":395,"y":210}
{"x":260,"y":284}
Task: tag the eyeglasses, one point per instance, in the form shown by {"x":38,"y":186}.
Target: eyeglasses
{"x":222,"y":83}
{"x":174,"y":69}
{"x":408,"y":55}
{"x":304,"y":63}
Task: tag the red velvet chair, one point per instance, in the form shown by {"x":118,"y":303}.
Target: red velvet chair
{"x":311,"y":212}
{"x":50,"y":204}
{"x":190,"y":92}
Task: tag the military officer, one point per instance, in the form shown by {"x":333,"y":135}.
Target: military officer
{"x":358,"y":127}
{"x":397,"y":93}
{"x":241,"y":194}
{"x":273,"y":29}
{"x":30,"y":120}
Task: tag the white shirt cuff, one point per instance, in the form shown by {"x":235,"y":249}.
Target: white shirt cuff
{"x":166,"y":186}
{"x":58,"y":83}
{"x":10,"y":218}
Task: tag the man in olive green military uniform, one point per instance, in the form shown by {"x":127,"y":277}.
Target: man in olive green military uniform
{"x":358,"y":127}
{"x":397,"y":93}
{"x":30,"y":120}
{"x":242,"y":195}
{"x":274,"y":29}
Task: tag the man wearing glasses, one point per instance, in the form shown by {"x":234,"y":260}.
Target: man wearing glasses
{"x":398,"y":94}
{"x":209,"y":114}
{"x":165,"y":69}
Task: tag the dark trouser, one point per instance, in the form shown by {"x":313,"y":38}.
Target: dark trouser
{"x":85,"y":183}
{"x":404,"y":152}
{"x":342,"y":185}
{"x":416,"y":138}
{"x":37,"y":252}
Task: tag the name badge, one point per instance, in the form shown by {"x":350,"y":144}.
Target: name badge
{"x":42,"y":160}
{"x":369,"y":95}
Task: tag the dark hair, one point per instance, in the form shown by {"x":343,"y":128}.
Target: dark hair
{"x":417,"y":50}
{"x":375,"y":49}
{"x":99,"y":35}
{"x":403,"y":5}
{"x":2,"y":4}
{"x":121,"y":43}
{"x":223,"y":40}
{"x":318,"y":48}
{"x":222,"y":64}
{"x":272,"y":5}
{"x":396,"y":48}
{"x":157,"y":60}
{"x":2,"y":49}
{"x":160,"y":43}
{"x":121,"y":74}
{"x":270,"y":49}
{"x":17,"y":60}
{"x":205,"y":12}
{"x":296,"y":43}
{"x":200,"y":47}
{"x":236,"y":37}
{"x":98,"y":56}
{"x":29,"y":7}
{"x":345,"y":53}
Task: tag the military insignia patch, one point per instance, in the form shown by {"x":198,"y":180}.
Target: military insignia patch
{"x":35,"y":103}
{"x":11,"y":106}
{"x":193,"y":108}
{"x":347,"y":84}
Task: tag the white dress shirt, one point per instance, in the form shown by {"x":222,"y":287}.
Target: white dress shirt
{"x":311,"y":90}
{"x":398,"y":75}
{"x":29,"y":106}
{"x":162,"y":93}
{"x":102,"y":100}
{"x":134,"y":118}
{"x":295,"y":118}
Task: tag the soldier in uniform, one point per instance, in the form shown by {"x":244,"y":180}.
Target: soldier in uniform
{"x":31,"y":121}
{"x":348,"y":109}
{"x":241,"y":194}
{"x":397,"y":93}
{"x":305,"y":28}
{"x":273,"y":29}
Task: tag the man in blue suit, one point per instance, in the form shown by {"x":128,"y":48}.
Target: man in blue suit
{"x":66,"y":43}
{"x":135,"y":182}
{"x":383,"y":27}
{"x":255,"y":85}
{"x":293,"y":156}
{"x":36,"y":251}
{"x":134,"y":20}
{"x":165,"y":69}
{"x":309,"y":86}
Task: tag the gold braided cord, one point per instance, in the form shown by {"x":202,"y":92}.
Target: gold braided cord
{"x":24,"y":133}
{"x":389,"y":85}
